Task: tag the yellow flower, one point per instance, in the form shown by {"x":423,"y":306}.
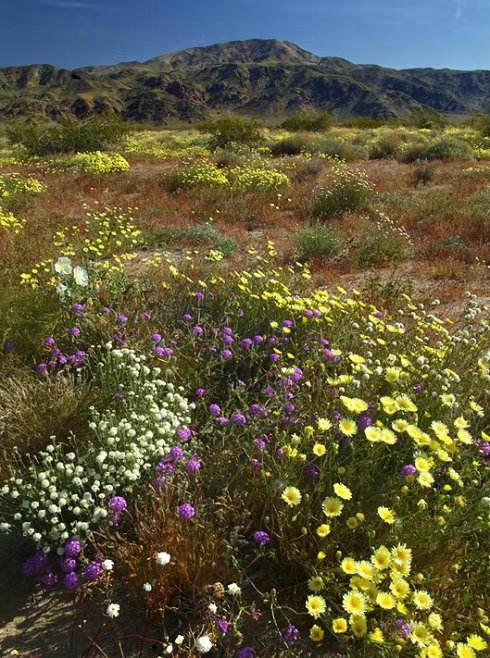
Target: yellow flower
{"x":422,"y":600}
{"x":315,"y":605}
{"x":373,"y":434}
{"x":332,"y":507}
{"x":422,"y":464}
{"x":434,"y":651}
{"x":399,"y":588}
{"x":354,"y":603}
{"x":354,"y":405}
{"x":386,"y":601}
{"x":381,"y":558}
{"x":387,"y":436}
{"x":291,"y":496}
{"x":401,"y":554}
{"x":464,"y":651}
{"x":420,"y":635}
{"x":316,"y":584}
{"x":339,"y":625}
{"x":435,"y":621}
{"x":476,"y":642}
{"x":377,"y":636}
{"x":348,"y":427}
{"x":316,"y":633}
{"x":342,"y":491}
{"x":366,"y":570}
{"x":323,"y":424}
{"x":359,"y":625}
{"x":390,"y":406}
{"x":323,"y":530}
{"x":425,"y":479}
{"x":348,"y":566}
{"x":386,"y":515}
{"x":319,"y":449}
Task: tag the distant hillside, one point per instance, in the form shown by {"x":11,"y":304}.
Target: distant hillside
{"x":265,"y":77}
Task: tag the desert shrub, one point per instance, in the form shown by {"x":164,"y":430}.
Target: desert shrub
{"x":69,"y":135}
{"x":349,"y":191}
{"x":308,"y":121}
{"x":317,"y":242}
{"x":425,"y":118}
{"x":204,"y":173}
{"x":423,"y":173}
{"x":292,"y":145}
{"x":411,"y":152}
{"x":333,"y":148}
{"x":92,"y":163}
{"x":192,"y":235}
{"x":12,"y":185}
{"x":447,"y":148}
{"x":307,"y":168}
{"x":257,"y":179}
{"x":385,"y":147}
{"x":382,"y":243}
{"x":232,"y":130}
{"x":9,"y":222}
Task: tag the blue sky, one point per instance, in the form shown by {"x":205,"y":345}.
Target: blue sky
{"x":397,"y":33}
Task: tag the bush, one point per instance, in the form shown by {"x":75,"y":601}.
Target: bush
{"x":309,"y":121}
{"x":93,"y":163}
{"x":69,"y":135}
{"x":230,"y":130}
{"x":385,"y":147}
{"x":425,"y":118}
{"x":350,"y":191}
{"x":205,"y":174}
{"x":293,"y":145}
{"x":317,"y":242}
{"x":257,"y":179}
{"x":423,"y":173}
{"x":448,"y":148}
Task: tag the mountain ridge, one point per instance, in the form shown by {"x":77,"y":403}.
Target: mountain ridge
{"x":256,"y":77}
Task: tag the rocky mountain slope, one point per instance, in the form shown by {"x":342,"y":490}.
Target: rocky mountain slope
{"x":266,"y":77}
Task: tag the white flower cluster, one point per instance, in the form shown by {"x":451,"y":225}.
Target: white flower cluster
{"x":65,"y":493}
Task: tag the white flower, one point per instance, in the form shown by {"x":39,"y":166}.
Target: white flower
{"x":63,"y":266}
{"x":147,"y":587}
{"x":234,"y":589}
{"x":204,"y":644}
{"x":179,"y":640}
{"x":107,"y":565}
{"x":212,"y":607}
{"x":162,"y":558}
{"x":80,"y":275}
{"x":169,"y":649}
{"x":113,"y":610}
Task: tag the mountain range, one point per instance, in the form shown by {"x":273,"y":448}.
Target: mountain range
{"x":259,"y":77}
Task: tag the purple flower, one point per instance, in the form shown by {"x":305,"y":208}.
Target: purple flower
{"x":199,"y":296}
{"x":49,"y":579}
{"x":70,"y":581}
{"x":403,"y":628}
{"x":75,"y":332}
{"x":215,"y":410}
{"x":222,"y":421}
{"x":238,"y":419}
{"x":176,"y":454}
{"x":49,"y":341}
{"x":223,"y":626}
{"x":193,"y":466}
{"x":68,"y":564}
{"x":73,"y":548}
{"x":261,"y":538}
{"x":186,"y":511}
{"x":93,"y":571}
{"x":163,"y":352}
{"x":200,"y":392}
{"x":227,"y":355}
{"x":148,"y":315}
{"x":159,"y":482}
{"x":9,"y":347}
{"x":228,"y":331}
{"x":184,"y":434}
{"x":247,"y":652}
{"x":156,"y":338}
{"x":187,"y":317}
{"x":364,"y":421}
{"x":246,"y":343}
{"x":77,"y":309}
{"x":311,"y":470}
{"x":122,"y":319}
{"x":407,"y":471}
{"x":197,"y":330}
{"x":118,"y":505}
{"x":259,"y":340}
{"x":290,"y":635}
{"x":36,"y":563}
{"x":42,"y":369}
{"x":228,"y":340}
{"x":275,"y":358}
{"x":255,"y":464}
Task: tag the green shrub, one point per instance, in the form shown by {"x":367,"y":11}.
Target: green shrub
{"x":98,"y":133}
{"x":385,"y":147}
{"x":205,"y":174}
{"x":426,"y":118}
{"x":309,"y":121}
{"x":411,"y":152}
{"x":317,"y":242}
{"x":448,"y":148}
{"x":257,"y":179}
{"x":306,"y":168}
{"x":293,"y":145}
{"x":350,"y":191}
{"x":230,"y":130}
{"x":93,"y":163}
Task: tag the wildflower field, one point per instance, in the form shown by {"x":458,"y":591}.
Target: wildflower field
{"x":244,"y":396}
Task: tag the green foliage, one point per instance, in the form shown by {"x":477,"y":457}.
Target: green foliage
{"x":385,"y":147}
{"x":257,"y":179}
{"x":93,"y":163}
{"x":317,"y":242}
{"x":350,"y":191}
{"x":448,"y":148}
{"x":231,"y":130}
{"x":427,"y":118}
{"x":68,"y":135}
{"x":292,"y":145}
{"x":309,"y":121}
